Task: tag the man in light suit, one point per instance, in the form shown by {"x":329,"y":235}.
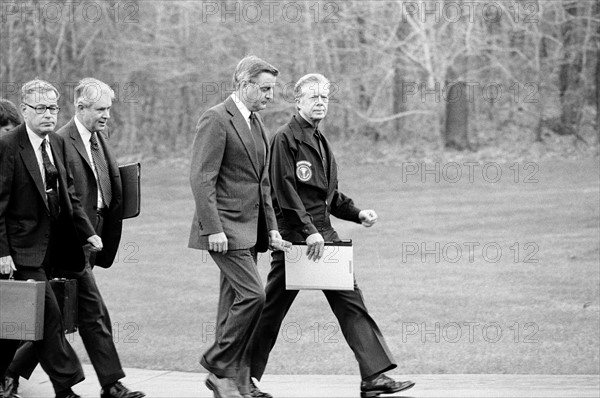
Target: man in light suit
{"x":98,"y":185}
{"x":234,"y":218}
{"x":41,"y":224}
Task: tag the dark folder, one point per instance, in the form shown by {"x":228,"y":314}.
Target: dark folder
{"x":130,"y":180}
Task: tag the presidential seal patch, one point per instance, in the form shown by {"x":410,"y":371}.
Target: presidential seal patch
{"x":303,"y":170}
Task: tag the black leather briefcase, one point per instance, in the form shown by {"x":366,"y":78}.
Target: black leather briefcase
{"x":65,"y":291}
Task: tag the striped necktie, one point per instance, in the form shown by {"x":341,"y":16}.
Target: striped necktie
{"x":101,"y":169}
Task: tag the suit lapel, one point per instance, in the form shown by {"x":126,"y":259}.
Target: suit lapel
{"x":78,"y":143}
{"x":31,"y":163}
{"x":242,"y":130}
{"x":58,"y":156}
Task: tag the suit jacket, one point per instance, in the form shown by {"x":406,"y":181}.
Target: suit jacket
{"x":25,"y":227}
{"x":86,"y":187}
{"x":232,"y":193}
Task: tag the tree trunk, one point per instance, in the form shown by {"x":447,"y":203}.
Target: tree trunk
{"x":456,"y":132}
{"x":398,"y":104}
{"x":597,"y":15}
{"x":570,"y":76}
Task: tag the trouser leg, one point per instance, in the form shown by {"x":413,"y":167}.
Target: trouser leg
{"x":96,"y":330}
{"x":278,"y":302}
{"x":241,"y":301}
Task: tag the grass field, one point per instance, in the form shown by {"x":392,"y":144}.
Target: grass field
{"x":487,"y":274}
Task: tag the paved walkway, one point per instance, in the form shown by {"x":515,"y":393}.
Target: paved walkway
{"x":168,"y":384}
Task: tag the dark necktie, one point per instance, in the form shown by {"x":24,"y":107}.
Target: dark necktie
{"x":323,"y":153}
{"x":258,"y":139}
{"x":101,"y":169}
{"x":51,"y":174}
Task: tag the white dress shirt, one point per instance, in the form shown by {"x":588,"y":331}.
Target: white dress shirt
{"x":243,"y":109}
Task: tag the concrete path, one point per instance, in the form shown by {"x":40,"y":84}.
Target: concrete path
{"x":169,"y":384}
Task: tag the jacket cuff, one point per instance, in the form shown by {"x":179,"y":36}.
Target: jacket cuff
{"x":354,"y":215}
{"x":309,"y":229}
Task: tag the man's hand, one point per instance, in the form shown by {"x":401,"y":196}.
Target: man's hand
{"x":218,"y":242}
{"x":367,"y":217}
{"x":276,"y":242}
{"x":7,"y":266}
{"x":95,"y":243}
{"x":316,"y":246}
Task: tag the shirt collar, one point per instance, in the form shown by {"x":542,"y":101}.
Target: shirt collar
{"x":305,"y":124}
{"x":241,"y":107}
{"x":36,"y":140}
{"x":83,"y":131}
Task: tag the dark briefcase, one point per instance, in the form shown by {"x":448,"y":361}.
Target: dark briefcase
{"x":130,"y":181}
{"x":22,"y":310}
{"x":65,"y":291}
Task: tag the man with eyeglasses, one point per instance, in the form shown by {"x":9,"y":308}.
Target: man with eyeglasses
{"x":98,"y":185}
{"x":42,"y":224}
{"x":234,"y":219}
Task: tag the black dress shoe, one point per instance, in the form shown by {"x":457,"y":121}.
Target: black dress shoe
{"x":11,"y":387}
{"x":67,"y":394}
{"x":118,"y":390}
{"x":382,"y":385}
{"x":222,"y":387}
{"x":256,"y":393}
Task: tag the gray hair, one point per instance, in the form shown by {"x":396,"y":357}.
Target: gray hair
{"x":249,"y":68}
{"x":38,"y":86}
{"x":89,"y":90}
{"x":311,"y":78}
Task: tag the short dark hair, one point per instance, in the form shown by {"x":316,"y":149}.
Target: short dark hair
{"x":9,"y":114}
{"x":249,"y":68}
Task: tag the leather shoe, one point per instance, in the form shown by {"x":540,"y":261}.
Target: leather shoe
{"x":382,"y":385}
{"x":118,"y":390}
{"x":11,"y":387}
{"x":222,"y":387}
{"x":256,"y":393}
{"x":67,"y":394}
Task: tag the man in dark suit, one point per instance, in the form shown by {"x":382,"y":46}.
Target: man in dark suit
{"x":234,"y":218}
{"x":41,"y":224}
{"x":98,"y":185}
{"x":305,"y":193}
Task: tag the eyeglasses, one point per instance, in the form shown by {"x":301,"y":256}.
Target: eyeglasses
{"x":41,"y":109}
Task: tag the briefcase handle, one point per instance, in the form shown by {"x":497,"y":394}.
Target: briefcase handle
{"x":343,"y":242}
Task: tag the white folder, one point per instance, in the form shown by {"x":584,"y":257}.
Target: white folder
{"x":333,"y":271}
